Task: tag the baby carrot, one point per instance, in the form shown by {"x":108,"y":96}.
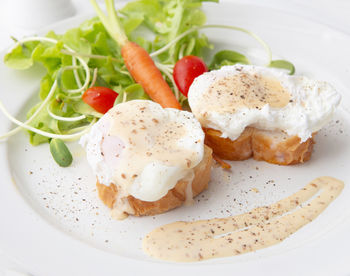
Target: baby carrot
{"x":137,"y":60}
{"x":144,"y":71}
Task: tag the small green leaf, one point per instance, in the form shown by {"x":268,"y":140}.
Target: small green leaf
{"x":73,"y":38}
{"x":45,"y":86}
{"x":227,"y":57}
{"x":130,"y":24}
{"x":48,"y":55}
{"x":60,"y":153}
{"x":37,"y":139}
{"x":144,"y":43}
{"x":81,"y":107}
{"x":101,"y":82}
{"x":283,"y":64}
{"x":20,"y":58}
{"x":65,"y":127}
{"x":42,"y":121}
{"x":133,"y":92}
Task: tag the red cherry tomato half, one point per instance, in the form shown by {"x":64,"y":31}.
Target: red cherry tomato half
{"x":186,"y":70}
{"x":100,"y":98}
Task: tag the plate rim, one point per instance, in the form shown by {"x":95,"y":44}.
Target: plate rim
{"x":109,"y":257}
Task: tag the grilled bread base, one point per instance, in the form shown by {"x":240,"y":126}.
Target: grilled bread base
{"x":271,"y":146}
{"x":174,"y":198}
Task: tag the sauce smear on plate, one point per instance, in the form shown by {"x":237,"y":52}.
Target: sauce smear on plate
{"x":261,"y":227}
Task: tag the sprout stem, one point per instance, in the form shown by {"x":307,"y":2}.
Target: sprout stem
{"x":66,"y":119}
{"x":48,"y":97}
{"x":45,"y":133}
{"x":181,"y":36}
{"x":111,"y":22}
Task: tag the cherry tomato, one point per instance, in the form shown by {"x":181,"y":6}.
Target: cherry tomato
{"x":100,"y":98}
{"x":186,"y":70}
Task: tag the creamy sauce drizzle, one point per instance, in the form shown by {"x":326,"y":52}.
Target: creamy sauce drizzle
{"x":245,"y":90}
{"x":257,"y":229}
{"x":189,"y":192}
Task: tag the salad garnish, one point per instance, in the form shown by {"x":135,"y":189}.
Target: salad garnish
{"x":89,"y":56}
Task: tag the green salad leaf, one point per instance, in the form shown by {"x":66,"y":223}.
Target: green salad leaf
{"x":166,"y":20}
{"x":227,"y":57}
{"x":20,"y":57}
{"x":283,"y":64}
{"x":132,"y":92}
{"x":43,"y":121}
{"x":82,"y":108}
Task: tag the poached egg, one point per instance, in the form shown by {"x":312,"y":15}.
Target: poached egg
{"x":235,"y":97}
{"x":144,"y":149}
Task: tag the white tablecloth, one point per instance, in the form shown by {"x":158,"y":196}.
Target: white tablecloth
{"x":334,"y":13}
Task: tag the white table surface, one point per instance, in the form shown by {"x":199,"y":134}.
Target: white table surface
{"x":334,"y":13}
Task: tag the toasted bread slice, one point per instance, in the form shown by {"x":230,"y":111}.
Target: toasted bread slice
{"x":279,"y":148}
{"x":174,"y":198}
{"x":225,"y":148}
{"x":271,"y":146}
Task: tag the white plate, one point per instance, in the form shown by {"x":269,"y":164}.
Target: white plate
{"x":53,"y":224}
